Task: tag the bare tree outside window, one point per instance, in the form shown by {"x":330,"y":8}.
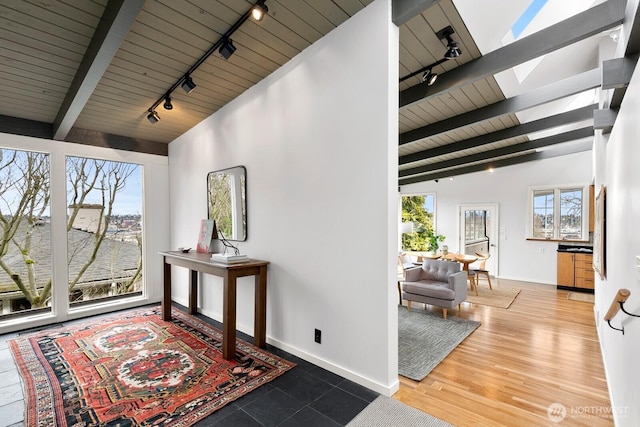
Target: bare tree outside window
{"x":559,"y":213}
{"x":104,"y":242}
{"x":25,"y":244}
{"x":104,"y":245}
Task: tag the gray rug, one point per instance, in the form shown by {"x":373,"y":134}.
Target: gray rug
{"x":425,"y":339}
{"x":385,"y":412}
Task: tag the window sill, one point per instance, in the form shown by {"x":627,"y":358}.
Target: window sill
{"x":535,"y":239}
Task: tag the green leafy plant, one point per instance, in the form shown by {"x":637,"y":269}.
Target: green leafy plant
{"x":423,"y":237}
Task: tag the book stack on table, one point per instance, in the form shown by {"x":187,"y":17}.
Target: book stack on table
{"x":228,"y":258}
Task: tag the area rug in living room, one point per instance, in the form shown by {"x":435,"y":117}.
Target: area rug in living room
{"x":135,"y":369}
{"x":496,"y":297}
{"x":425,"y":339}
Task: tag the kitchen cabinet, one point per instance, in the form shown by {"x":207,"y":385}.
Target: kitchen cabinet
{"x":575,"y":270}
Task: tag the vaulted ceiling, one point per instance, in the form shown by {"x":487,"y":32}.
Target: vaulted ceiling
{"x":88,"y":71}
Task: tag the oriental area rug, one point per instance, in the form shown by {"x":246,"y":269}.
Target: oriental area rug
{"x":135,"y":369}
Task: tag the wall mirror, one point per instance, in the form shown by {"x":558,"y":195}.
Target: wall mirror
{"x":227,"y":202}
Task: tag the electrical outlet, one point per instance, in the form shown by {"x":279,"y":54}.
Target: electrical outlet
{"x":540,"y":250}
{"x":318,"y":336}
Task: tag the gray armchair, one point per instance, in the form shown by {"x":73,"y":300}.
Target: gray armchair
{"x":439,"y":283}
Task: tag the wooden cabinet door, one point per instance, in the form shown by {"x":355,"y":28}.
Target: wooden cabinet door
{"x":584,"y":271}
{"x":565,"y":269}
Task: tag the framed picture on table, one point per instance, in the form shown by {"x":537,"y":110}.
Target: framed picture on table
{"x":599,"y":234}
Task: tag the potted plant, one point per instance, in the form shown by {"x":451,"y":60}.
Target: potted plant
{"x":433,"y":241}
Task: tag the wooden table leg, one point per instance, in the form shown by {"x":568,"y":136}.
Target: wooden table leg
{"x":193,"y":292}
{"x":260,"y":310}
{"x":166,"y":296}
{"x":229,"y":317}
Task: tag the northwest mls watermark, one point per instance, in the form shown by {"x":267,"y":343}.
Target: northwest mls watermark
{"x":557,"y":412}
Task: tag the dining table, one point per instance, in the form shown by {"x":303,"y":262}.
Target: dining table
{"x":465,"y":260}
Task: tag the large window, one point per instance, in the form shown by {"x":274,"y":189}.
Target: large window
{"x":104,"y":232}
{"x":25,"y":231}
{"x":104,"y":229}
{"x":418,"y":222}
{"x":559,"y":213}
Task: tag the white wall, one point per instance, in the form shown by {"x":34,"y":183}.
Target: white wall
{"x":519,"y":259}
{"x":319,"y":140}
{"x":617,"y":162}
{"x":156,"y":208}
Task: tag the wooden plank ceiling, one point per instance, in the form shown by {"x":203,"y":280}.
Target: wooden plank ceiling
{"x":43,"y":46}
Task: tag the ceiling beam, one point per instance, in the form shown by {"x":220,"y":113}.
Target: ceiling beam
{"x":572,"y":135}
{"x":118,"y":142}
{"x":616,"y":75}
{"x":573,"y":116}
{"x":116,"y":20}
{"x":551,"y":92}
{"x":599,"y":18}
{"x":547,"y":154}
{"x":25,"y":127}
{"x":404,"y":10}
{"x":604,"y":119}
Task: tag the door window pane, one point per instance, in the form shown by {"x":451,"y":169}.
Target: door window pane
{"x":25,"y":232}
{"x":104,"y":229}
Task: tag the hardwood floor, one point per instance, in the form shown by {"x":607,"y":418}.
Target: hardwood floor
{"x":543,"y":350}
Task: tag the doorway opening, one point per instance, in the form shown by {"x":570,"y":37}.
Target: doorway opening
{"x":478,"y":232}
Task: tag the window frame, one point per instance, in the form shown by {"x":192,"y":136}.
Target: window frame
{"x":557,"y":189}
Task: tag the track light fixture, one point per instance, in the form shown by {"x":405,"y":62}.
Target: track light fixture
{"x":453,"y":50}
{"x":167,"y":103}
{"x":188,"y":85}
{"x":225,"y":48}
{"x":259,"y":10}
{"x":153,"y":117}
{"x":429,"y":77}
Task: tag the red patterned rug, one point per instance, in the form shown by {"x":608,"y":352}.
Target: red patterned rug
{"x":135,"y":369}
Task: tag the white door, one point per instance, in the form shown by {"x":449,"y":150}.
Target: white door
{"x":478,"y":232}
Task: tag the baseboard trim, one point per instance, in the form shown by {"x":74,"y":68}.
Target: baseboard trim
{"x":388,"y":391}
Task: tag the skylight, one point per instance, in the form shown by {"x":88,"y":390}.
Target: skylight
{"x":521,"y":23}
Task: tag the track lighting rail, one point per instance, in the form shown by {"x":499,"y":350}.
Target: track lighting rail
{"x":423,"y":69}
{"x":225,"y":40}
{"x":453,"y":51}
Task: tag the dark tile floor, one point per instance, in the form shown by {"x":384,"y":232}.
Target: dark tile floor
{"x":306,"y":395}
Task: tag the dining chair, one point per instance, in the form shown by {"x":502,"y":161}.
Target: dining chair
{"x":404,"y":262}
{"x":481,"y":269}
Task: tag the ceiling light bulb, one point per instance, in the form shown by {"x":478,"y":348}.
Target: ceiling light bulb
{"x":153,"y":117}
{"x":258,"y":11}
{"x":429,"y":77}
{"x":167,"y":103}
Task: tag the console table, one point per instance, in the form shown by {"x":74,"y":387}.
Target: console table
{"x":202,"y":262}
